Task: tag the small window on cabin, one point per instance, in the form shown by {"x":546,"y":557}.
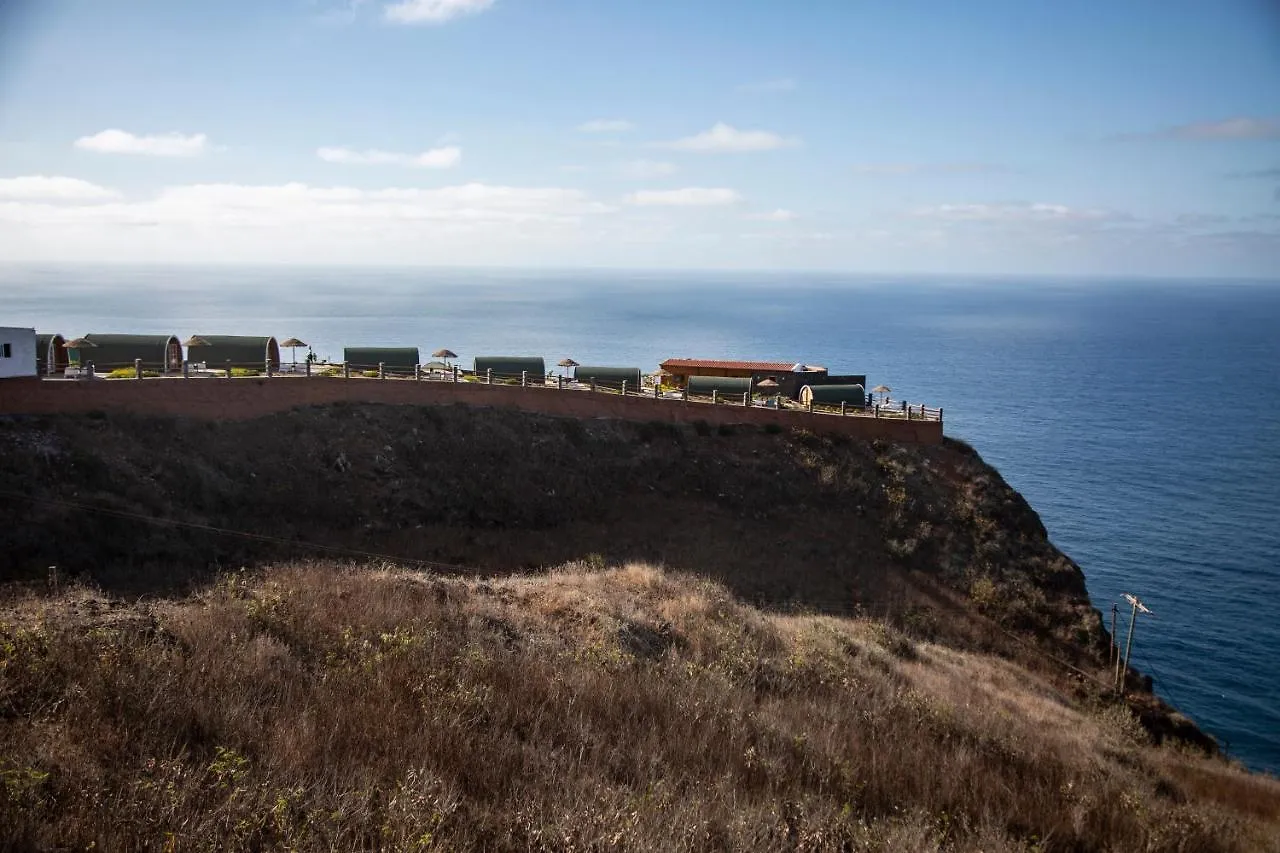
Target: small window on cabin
{"x":6,"y":350}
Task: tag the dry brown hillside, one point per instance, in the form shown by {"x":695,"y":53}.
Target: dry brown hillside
{"x":316,"y":707}
{"x":783,"y":519}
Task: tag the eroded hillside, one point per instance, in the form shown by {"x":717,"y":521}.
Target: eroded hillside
{"x":929,"y":536}
{"x":316,"y":707}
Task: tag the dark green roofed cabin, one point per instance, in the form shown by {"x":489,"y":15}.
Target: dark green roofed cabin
{"x":398,"y":360}
{"x":158,"y":352}
{"x":724,"y":386}
{"x":509,"y":367}
{"x":241,"y":350}
{"x":834,"y":395}
{"x":51,"y":354}
{"x":609,"y":377}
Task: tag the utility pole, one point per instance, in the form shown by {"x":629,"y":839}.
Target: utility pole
{"x":1123,"y":673}
{"x":1111,"y":661}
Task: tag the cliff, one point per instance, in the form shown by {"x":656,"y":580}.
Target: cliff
{"x":784,"y":519}
{"x":367,"y":626}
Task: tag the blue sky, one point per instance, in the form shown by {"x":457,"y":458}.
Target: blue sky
{"x":990,"y":136}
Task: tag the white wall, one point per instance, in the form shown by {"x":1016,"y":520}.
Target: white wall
{"x":21,"y":345}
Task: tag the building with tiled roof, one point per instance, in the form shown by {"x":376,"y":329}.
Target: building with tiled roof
{"x":679,"y":370}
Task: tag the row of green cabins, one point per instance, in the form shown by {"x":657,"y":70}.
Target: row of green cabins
{"x":698,"y":377}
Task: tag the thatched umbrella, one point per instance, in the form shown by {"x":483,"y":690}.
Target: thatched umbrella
{"x":768,"y":386}
{"x":195,"y":341}
{"x":566,"y":362}
{"x":293,"y":344}
{"x":881,"y":389}
{"x":78,"y":344}
{"x":446,"y":354}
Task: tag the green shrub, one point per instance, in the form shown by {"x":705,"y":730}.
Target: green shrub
{"x":245,"y":371}
{"x":130,"y":373}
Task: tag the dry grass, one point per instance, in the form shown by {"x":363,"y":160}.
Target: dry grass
{"x":314,"y":707}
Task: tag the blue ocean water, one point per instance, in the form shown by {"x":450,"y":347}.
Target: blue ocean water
{"x":1141,"y":418}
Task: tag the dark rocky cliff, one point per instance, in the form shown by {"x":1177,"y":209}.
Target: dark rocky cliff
{"x":930,"y":536}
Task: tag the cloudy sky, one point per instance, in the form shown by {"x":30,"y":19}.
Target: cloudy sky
{"x":1134,"y":137}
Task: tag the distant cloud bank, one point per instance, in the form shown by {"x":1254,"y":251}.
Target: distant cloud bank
{"x":724,"y":138}
{"x":433,"y":11}
{"x":437,"y":158}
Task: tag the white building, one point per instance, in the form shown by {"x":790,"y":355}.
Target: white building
{"x":17,"y":352}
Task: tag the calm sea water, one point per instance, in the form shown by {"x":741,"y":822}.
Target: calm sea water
{"x":1140,"y":418}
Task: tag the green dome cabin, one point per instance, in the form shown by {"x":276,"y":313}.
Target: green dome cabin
{"x":51,"y":354}
{"x":725,"y":386}
{"x":608,"y":377}
{"x":834,"y":395}
{"x":162,"y":353}
{"x":507,"y":368}
{"x":241,"y":350}
{"x":399,"y":361}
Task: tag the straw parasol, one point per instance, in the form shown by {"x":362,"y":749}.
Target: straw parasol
{"x":767,"y":384}
{"x":446,"y":354}
{"x":293,"y":344}
{"x":881,"y":389}
{"x":195,"y":341}
{"x":79,"y":344}
{"x":566,"y":362}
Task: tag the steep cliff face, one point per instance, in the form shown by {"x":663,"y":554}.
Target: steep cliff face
{"x":929,"y":536}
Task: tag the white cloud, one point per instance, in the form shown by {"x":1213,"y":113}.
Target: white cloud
{"x":647,"y":169}
{"x":160,"y":145}
{"x":1243,"y":127}
{"x":779,"y":215}
{"x":274,"y":205}
{"x":436,"y":158}
{"x":724,"y":138}
{"x":55,"y":188}
{"x":923,"y":168}
{"x":769,"y":87}
{"x":1037,"y":212}
{"x":433,"y":11}
{"x":686,"y":197}
{"x":606,"y":125}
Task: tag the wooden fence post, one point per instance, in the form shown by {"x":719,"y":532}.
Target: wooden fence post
{"x":137,"y":368}
{"x":939,"y":414}
{"x":843,"y":409}
{"x":488,"y":376}
{"x":455,"y":373}
{"x":346,"y":370}
{"x":308,"y":368}
{"x":417,"y":373}
{"x":559,"y":381}
{"x":746,"y":399}
{"x":524,"y":379}
{"x":811,"y":403}
{"x":624,"y":387}
{"x":657,"y":391}
{"x":228,"y":368}
{"x":186,"y":369}
{"x":715,"y":396}
{"x":593,"y":384}
{"x":268,"y":367}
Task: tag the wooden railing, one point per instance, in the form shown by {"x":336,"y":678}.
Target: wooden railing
{"x":886,"y":409}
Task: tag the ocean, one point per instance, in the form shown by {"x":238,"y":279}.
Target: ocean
{"x":1140,"y":418}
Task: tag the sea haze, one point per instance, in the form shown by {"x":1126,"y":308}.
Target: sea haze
{"x":1140,"y":418}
